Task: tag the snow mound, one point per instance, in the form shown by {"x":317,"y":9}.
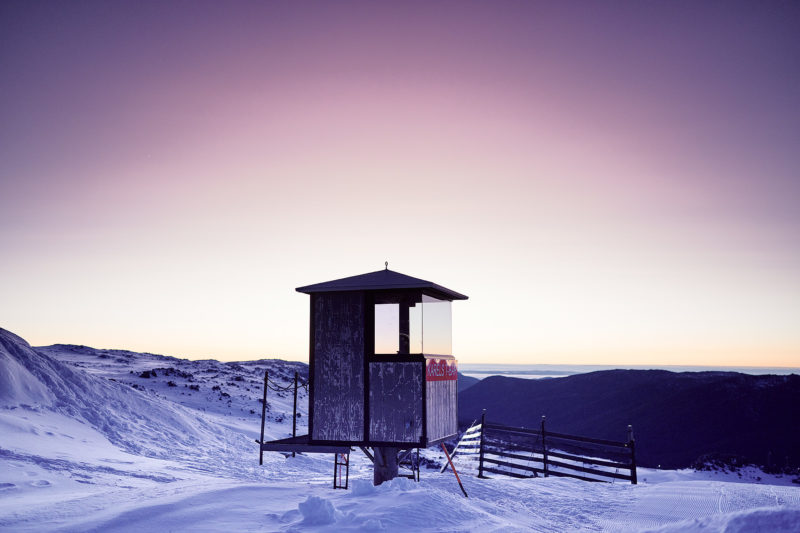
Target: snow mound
{"x":398,"y":484}
{"x":317,"y":511}
{"x":772,"y":519}
{"x":373,"y":525}
{"x":362,"y":487}
{"x":135,"y":421}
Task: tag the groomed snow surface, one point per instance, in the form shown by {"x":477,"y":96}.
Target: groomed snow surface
{"x":94,"y":440}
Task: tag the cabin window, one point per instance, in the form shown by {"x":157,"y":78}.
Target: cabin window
{"x":387,"y":324}
{"x":398,"y":324}
{"x":412,"y":324}
{"x":437,"y":333}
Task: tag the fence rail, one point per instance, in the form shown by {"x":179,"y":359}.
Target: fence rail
{"x":525,"y":452}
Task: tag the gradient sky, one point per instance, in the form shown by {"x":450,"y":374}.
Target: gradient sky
{"x":610,"y":183}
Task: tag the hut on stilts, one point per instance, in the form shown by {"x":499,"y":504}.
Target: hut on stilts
{"x":382,"y":374}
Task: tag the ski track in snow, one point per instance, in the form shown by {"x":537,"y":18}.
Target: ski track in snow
{"x":115,"y":441}
{"x":81,"y":469}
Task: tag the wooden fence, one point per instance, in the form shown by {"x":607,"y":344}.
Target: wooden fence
{"x":523,"y":453}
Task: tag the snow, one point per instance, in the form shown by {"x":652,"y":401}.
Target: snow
{"x":317,"y":511}
{"x":769,"y":519}
{"x":18,"y":387}
{"x":87,"y":444}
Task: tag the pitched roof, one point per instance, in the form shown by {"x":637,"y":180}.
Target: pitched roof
{"x":380,"y":280}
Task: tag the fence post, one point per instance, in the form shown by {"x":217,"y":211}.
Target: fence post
{"x":632,"y":446}
{"x":480,"y":456}
{"x":294,"y":411}
{"x":544,"y":450}
{"x":263,"y":416}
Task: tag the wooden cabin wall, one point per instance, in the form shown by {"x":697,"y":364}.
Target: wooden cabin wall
{"x":338,"y":410}
{"x":395,"y":401}
{"x":442,"y":409}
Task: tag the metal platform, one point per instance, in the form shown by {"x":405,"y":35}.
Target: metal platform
{"x":300,"y":444}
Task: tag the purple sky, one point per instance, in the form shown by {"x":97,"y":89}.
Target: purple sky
{"x":610,"y":182}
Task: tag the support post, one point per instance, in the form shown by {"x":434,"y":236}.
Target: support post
{"x":417,"y":465}
{"x":347,"y":471}
{"x":632,"y":446}
{"x":294,"y":411}
{"x":369,"y":455}
{"x":335,"y":468}
{"x":544,"y":450}
{"x":263,"y":417}
{"x":385,"y":467}
{"x":480,"y":456}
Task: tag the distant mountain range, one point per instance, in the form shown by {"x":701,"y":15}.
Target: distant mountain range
{"x":465,"y":382}
{"x":676,"y":417}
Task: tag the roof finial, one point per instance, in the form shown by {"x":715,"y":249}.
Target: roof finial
{"x":387,"y":264}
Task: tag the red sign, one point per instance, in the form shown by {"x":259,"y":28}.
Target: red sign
{"x":441,"y":370}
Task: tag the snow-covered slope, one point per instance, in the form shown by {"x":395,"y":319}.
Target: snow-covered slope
{"x":109,"y":440}
{"x":136,"y":421}
{"x":18,"y":386}
{"x":229,"y":394}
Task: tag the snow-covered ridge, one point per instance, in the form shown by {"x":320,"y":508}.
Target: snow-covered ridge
{"x":133,"y":420}
{"x":18,"y":385}
{"x":229,"y":393}
{"x":110,"y":440}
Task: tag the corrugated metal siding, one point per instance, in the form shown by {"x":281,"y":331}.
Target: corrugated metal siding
{"x":441,"y":409}
{"x":338,"y":367}
{"x":395,"y":402}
